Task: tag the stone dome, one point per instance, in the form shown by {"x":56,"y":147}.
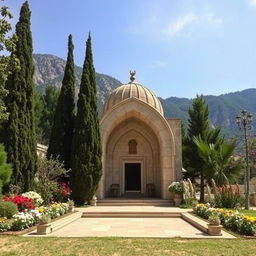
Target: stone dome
{"x":132,"y":90}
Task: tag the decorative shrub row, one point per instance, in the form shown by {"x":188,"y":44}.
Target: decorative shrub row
{"x":231,"y":219}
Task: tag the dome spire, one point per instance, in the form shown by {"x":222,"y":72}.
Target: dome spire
{"x":132,"y":77}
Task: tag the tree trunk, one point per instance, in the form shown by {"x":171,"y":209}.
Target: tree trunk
{"x":201,"y":188}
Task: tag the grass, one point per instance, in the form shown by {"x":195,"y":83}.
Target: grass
{"x":251,"y":213}
{"x":11,"y":246}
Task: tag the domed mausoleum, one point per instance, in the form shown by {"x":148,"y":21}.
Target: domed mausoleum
{"x":141,"y":148}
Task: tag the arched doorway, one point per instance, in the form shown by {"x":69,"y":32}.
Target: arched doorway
{"x":132,"y":161}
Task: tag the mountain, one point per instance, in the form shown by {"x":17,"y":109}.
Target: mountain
{"x":223,"y":109}
{"x":49,"y":69}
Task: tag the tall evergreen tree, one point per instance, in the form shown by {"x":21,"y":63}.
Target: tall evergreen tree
{"x":49,"y":104}
{"x":198,"y":126}
{"x":19,"y":131}
{"x":86,"y":155}
{"x":60,"y":144}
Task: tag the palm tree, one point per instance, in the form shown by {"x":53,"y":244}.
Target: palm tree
{"x":218,"y":159}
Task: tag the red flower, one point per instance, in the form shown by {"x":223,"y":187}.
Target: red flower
{"x":22,"y":202}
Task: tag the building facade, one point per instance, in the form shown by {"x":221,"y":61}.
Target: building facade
{"x":141,"y":148}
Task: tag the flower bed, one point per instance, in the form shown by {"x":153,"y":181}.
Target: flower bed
{"x":230,"y":219}
{"x":29,"y":218}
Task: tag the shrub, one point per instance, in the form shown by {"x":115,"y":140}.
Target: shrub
{"x":35,"y":197}
{"x":176,"y":187}
{"x":230,"y":219}
{"x":227,"y":196}
{"x":46,"y":190}
{"x":248,"y":226}
{"x":49,"y":170}
{"x":5,"y":169}
{"x":4,"y":224}
{"x":62,"y":192}
{"x":22,"y":202}
{"x":22,"y":220}
{"x":8,"y":209}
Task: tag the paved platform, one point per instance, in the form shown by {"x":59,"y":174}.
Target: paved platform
{"x":160,"y":227}
{"x":130,"y":227}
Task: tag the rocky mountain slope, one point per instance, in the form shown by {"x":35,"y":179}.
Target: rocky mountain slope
{"x":49,"y":69}
{"x":223,"y":109}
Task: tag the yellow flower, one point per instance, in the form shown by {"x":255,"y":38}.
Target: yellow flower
{"x":250,"y":219}
{"x":41,"y":210}
{"x":3,"y":219}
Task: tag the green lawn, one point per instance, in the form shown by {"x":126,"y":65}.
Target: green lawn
{"x":10,"y":245}
{"x":251,"y":213}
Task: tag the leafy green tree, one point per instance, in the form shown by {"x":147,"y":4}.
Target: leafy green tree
{"x":60,"y":144}
{"x":198,"y":125}
{"x":86,"y":154}
{"x":5,"y":169}
{"x":219,"y":162}
{"x":7,"y":63}
{"x":19,"y":131}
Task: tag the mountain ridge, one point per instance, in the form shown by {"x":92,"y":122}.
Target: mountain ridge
{"x":223,"y":109}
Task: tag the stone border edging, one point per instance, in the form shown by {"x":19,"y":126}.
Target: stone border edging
{"x":202,"y":225}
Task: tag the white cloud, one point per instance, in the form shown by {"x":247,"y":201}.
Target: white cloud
{"x":252,"y":3}
{"x":185,"y":25}
{"x":181,"y":23}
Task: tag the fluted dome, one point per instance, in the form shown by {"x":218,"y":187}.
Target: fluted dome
{"x":132,"y":90}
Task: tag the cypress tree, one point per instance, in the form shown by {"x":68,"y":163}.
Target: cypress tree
{"x":19,"y":131}
{"x":60,"y":144}
{"x":86,"y":154}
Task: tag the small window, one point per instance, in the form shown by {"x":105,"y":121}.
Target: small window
{"x":132,"y":147}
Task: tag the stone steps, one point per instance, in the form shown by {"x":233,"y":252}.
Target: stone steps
{"x":130,"y":214}
{"x":135,"y":202}
{"x":65,"y":221}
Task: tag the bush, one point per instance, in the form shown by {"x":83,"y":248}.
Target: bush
{"x":49,"y":170}
{"x":23,"y":203}
{"x":4,"y":224}
{"x":5,"y":169}
{"x":228,"y":197}
{"x":176,"y":187}
{"x":62,"y":192}
{"x":35,"y":197}
{"x":8,"y":209}
{"x":231,"y":219}
{"x":46,"y":190}
{"x":22,"y":220}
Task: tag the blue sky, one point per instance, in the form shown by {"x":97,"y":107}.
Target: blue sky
{"x":178,"y":47}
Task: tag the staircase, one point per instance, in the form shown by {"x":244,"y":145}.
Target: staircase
{"x":134,"y":202}
{"x":130,"y":214}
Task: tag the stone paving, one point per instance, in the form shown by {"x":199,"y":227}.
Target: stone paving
{"x":131,"y":227}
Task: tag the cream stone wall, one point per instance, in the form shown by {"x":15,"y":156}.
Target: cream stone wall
{"x":175,"y":125}
{"x":117,"y":154}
